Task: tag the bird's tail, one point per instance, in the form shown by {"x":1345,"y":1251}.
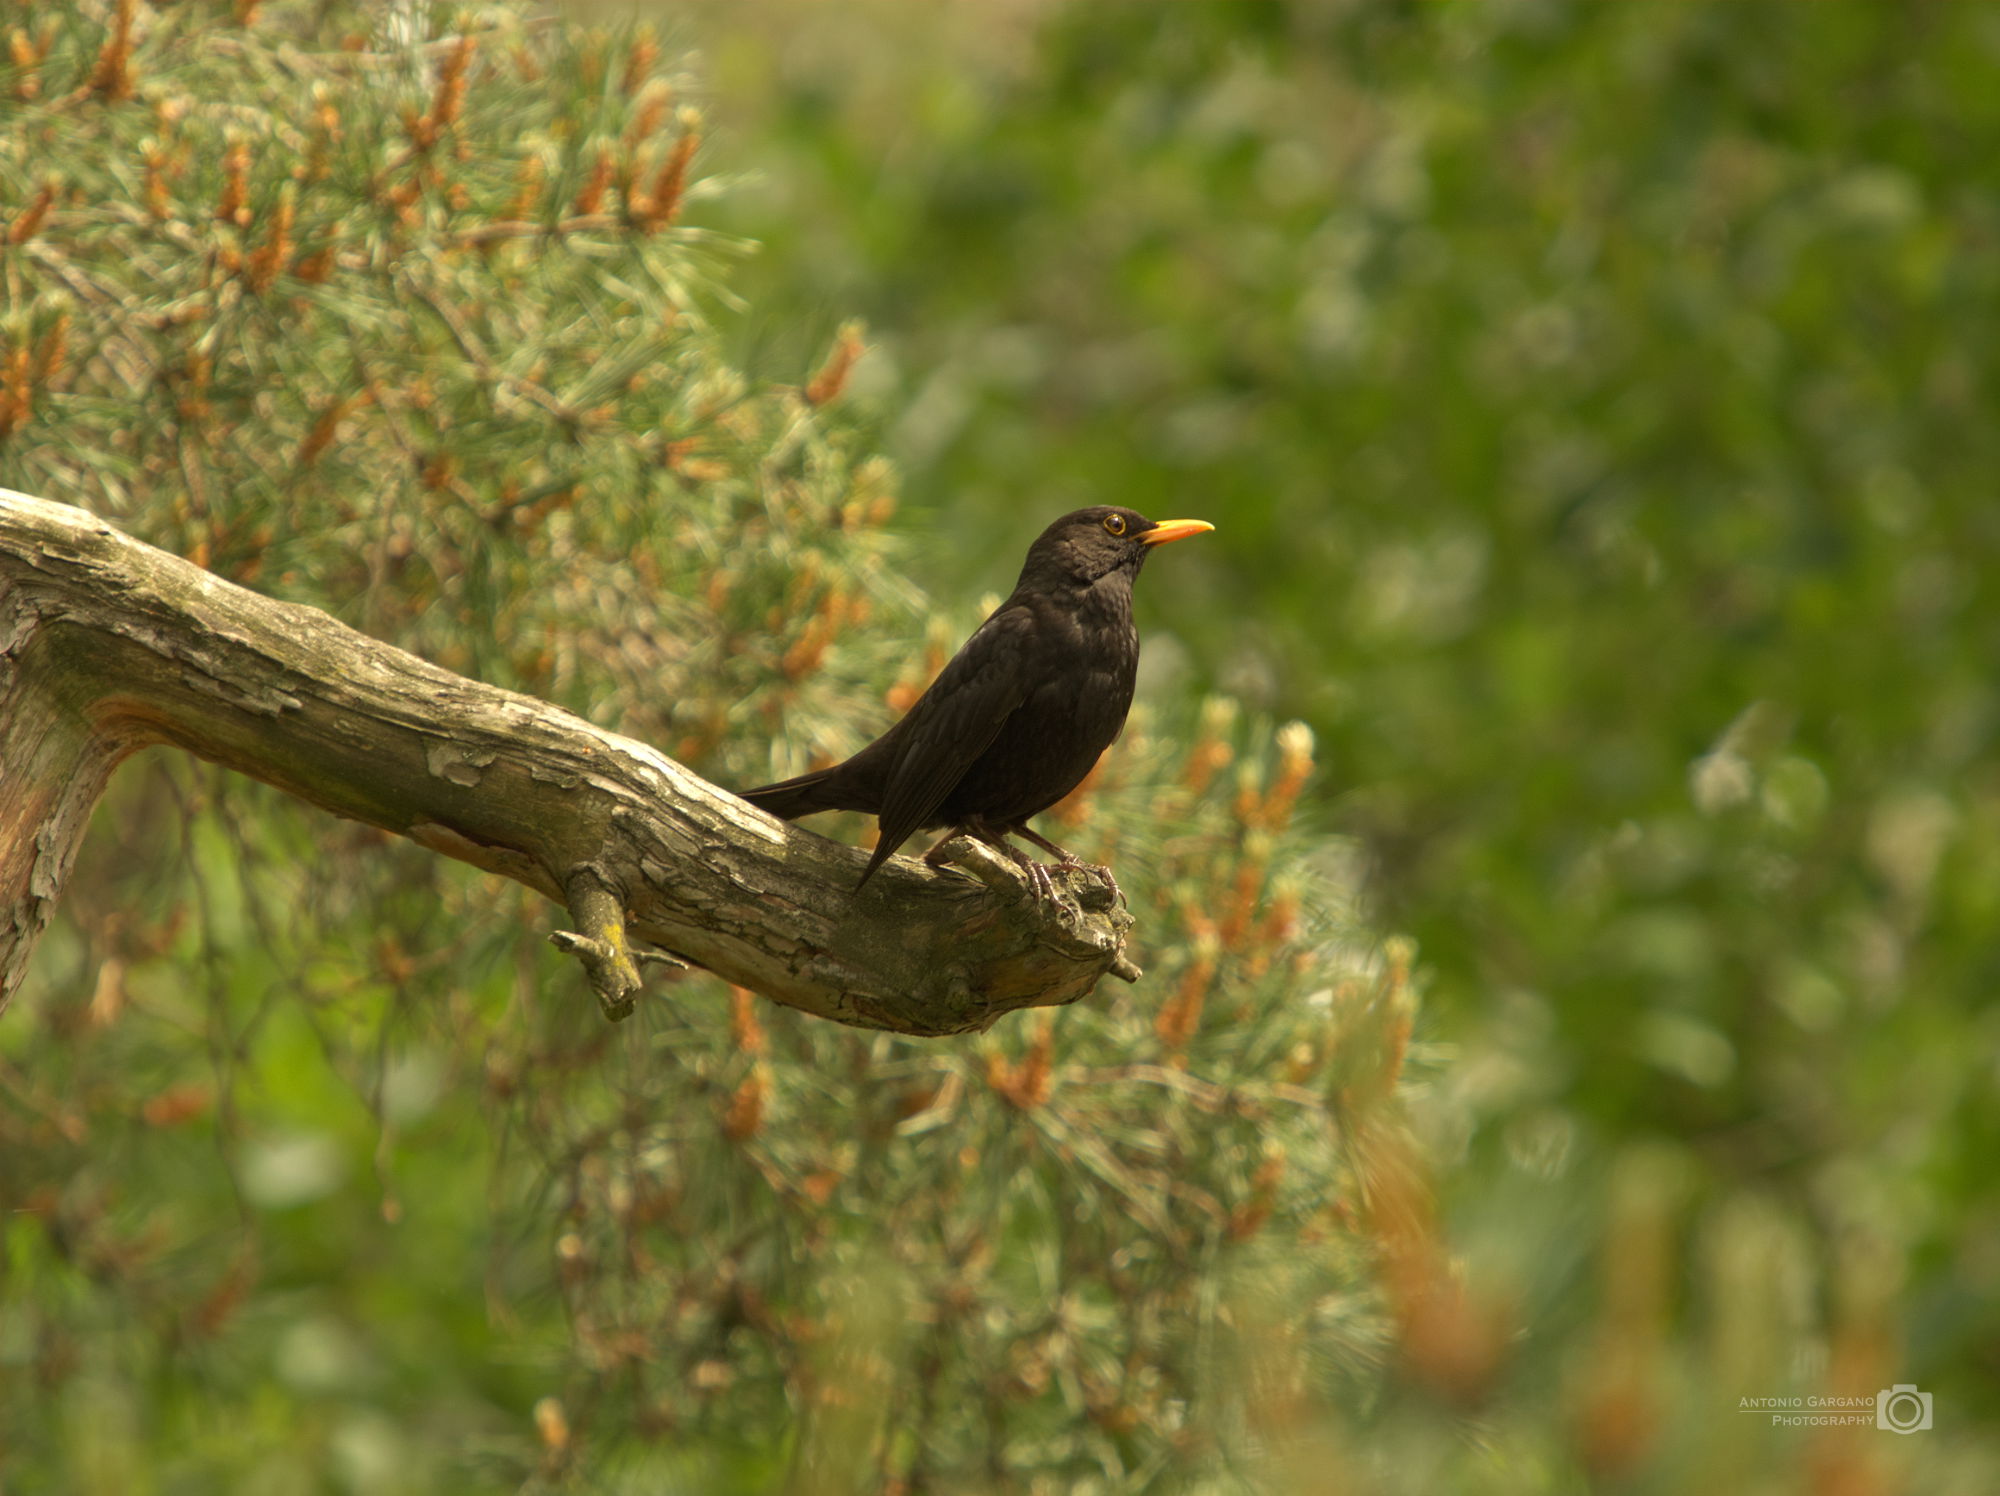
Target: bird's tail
{"x":789,"y":799}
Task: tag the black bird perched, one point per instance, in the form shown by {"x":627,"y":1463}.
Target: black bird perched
{"x":1023,"y":710}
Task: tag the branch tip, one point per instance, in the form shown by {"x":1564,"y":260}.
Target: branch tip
{"x":601,"y":945}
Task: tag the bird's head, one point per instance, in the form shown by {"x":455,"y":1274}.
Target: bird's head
{"x":1091,"y":543}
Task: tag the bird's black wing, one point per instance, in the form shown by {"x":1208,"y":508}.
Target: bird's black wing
{"x":952,"y":724}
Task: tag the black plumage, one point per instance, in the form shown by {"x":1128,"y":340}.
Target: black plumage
{"x":1023,"y":710}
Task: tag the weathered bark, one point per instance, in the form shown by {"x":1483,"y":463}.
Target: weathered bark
{"x":108,"y":645}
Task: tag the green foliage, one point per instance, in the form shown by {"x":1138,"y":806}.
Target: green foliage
{"x":319,"y":1170}
{"x":417,"y":335}
{"x":1590,"y":398}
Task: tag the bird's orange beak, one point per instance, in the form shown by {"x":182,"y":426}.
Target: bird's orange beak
{"x":1174,"y":529}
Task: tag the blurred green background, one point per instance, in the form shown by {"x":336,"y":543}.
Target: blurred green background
{"x":1593,"y":401}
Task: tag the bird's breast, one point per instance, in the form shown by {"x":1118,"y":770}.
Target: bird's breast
{"x":1084,"y":660}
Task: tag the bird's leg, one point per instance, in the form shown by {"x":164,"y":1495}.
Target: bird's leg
{"x":1038,"y":876}
{"x":1069,"y":859}
{"x":935,"y":857}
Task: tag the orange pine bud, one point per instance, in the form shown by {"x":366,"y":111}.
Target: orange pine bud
{"x":1180,"y":1017}
{"x":745,"y":1115}
{"x":28,"y":222}
{"x":17,"y":399}
{"x":662,"y":205}
{"x":112,"y":78}
{"x":27,"y":61}
{"x":590,"y":197}
{"x":639,"y":61}
{"x":449,"y":100}
{"x":827,"y":384}
{"x":233,"y":207}
{"x":744,"y":1028}
{"x":268,"y":261}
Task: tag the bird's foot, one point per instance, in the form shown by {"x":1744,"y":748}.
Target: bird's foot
{"x":1104,"y":876}
{"x":949,"y":856}
{"x":1043,"y":882}
{"x":1106,"y":895}
{"x":1071,"y":863}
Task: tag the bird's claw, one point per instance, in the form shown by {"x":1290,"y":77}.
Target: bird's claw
{"x":1104,"y":876}
{"x":1043,"y":884}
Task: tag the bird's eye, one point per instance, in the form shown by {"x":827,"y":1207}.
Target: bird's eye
{"x":1115,"y":523}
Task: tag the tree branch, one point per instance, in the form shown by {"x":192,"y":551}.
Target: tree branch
{"x":108,"y":645}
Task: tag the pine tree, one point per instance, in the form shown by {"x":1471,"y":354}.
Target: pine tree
{"x":315,"y":1159}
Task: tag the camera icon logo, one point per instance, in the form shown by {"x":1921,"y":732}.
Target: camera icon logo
{"x":1902,"y":1409}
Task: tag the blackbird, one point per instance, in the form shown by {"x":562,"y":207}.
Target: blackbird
{"x":1020,"y":714}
